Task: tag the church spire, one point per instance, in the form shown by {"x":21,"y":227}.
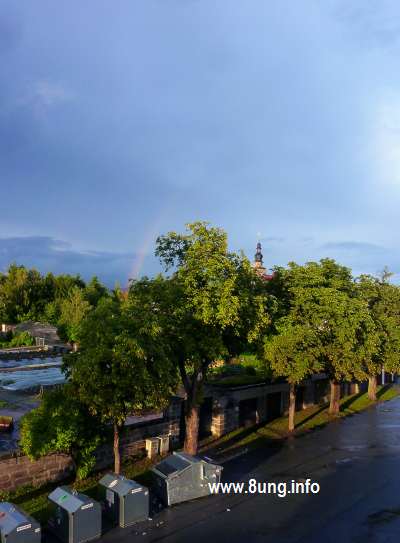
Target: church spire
{"x":258,"y":257}
{"x":258,"y":260}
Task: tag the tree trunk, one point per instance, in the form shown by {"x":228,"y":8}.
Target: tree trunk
{"x":117,"y":453}
{"x":372,"y":388}
{"x":292,"y":405}
{"x":193,"y":387}
{"x":192,"y":420}
{"x":334,"y":404}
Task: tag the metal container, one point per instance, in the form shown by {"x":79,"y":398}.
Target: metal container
{"x":181,"y":477}
{"x":163,"y":444}
{"x":126,"y":501}
{"x":152,"y":447}
{"x":76,"y":517}
{"x":16,"y":526}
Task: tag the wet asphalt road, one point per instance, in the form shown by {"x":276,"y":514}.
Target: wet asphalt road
{"x":356,"y":462}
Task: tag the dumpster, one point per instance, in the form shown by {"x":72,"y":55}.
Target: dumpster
{"x":76,"y":518}
{"x":16,"y":526}
{"x":126,"y":501}
{"x":181,"y":477}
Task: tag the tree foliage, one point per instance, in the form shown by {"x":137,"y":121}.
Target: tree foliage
{"x":62,"y":424}
{"x":121,"y":366}
{"x":212,"y":300}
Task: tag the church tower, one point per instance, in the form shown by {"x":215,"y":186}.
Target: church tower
{"x":258,"y":261}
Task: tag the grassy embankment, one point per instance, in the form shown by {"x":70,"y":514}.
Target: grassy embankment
{"x":34,"y":500}
{"x":305,"y":421}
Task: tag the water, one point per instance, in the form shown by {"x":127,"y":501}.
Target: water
{"x":26,"y":379}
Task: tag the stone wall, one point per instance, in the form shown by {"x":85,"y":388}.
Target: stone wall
{"x":227,"y":402}
{"x":17,"y":470}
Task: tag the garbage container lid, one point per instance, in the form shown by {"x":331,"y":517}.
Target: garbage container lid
{"x":173,"y":464}
{"x":11,"y":518}
{"x":119,"y":484}
{"x":67,"y":499}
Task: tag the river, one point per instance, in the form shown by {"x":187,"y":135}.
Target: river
{"x":14,"y":379}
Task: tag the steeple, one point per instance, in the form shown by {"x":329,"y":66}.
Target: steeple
{"x":258,"y":257}
{"x":258,"y":265}
{"x":258,"y":260}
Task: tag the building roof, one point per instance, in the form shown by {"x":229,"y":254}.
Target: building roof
{"x":39,"y":329}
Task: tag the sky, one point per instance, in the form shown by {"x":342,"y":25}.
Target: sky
{"x":121,"y":121}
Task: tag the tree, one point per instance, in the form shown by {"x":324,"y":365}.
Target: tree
{"x":120,"y":368}
{"x":383,"y":300}
{"x":23,"y":294}
{"x":27,"y":295}
{"x":95,"y":291}
{"x":73,"y":310}
{"x":293,"y":353}
{"x":62,"y":424}
{"x":212,"y":296}
{"x":321,"y":297}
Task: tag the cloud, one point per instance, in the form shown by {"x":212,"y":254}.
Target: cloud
{"x":51,"y":255}
{"x":373,"y":23}
{"x":362,"y":257}
{"x":272,"y":239}
{"x":41,"y":96}
{"x":50,"y":94}
{"x":354,"y":246}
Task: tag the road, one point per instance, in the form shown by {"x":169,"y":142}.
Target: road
{"x":356,"y":462}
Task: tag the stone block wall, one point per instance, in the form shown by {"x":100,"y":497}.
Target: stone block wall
{"x":225,"y":416}
{"x":17,"y":470}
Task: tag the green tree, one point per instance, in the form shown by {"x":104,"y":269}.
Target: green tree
{"x":212,"y":296}
{"x":73,"y":310}
{"x":95,"y":291}
{"x":383,"y":300}
{"x":321,"y":296}
{"x":62,"y":424}
{"x":294,"y":353}
{"x":121,"y":366}
{"x":23,"y":294}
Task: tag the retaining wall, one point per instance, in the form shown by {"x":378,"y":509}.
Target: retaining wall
{"x":18,"y":470}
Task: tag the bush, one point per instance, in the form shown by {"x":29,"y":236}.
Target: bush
{"x":22,"y":339}
{"x":62,"y":424}
{"x":19,"y":339}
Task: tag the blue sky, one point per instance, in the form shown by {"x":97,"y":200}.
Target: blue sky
{"x":123,"y":120}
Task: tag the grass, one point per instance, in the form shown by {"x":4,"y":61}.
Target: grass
{"x":305,"y":421}
{"x":4,"y":404}
{"x":34,"y":499}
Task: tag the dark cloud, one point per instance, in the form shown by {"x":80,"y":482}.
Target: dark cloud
{"x":50,"y":255}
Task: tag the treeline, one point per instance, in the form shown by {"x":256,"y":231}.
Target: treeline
{"x":326,"y":321}
{"x":210,"y":304}
{"x":61,"y":300}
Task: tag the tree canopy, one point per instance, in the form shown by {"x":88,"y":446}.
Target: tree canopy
{"x":62,"y":424}
{"x":121,"y":366}
{"x":212,"y":299}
